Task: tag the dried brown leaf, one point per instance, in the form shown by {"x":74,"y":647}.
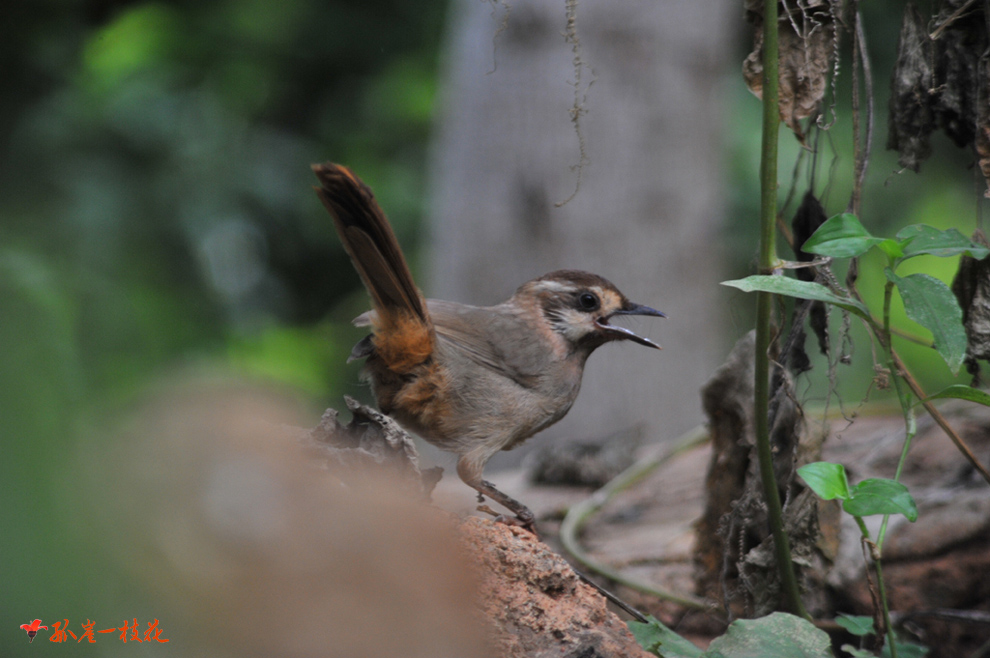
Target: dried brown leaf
{"x":982,"y":138}
{"x":960,"y":44}
{"x":911,"y":116}
{"x":809,"y":216}
{"x":972,"y":288}
{"x":806,"y":36}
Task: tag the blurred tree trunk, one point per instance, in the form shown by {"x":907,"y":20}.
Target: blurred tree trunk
{"x":650,"y":206}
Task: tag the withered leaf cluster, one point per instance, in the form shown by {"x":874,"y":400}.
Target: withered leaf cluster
{"x":941,"y":82}
{"x":806,"y":43}
{"x":734,"y":555}
{"x":809,"y":216}
{"x":972,"y":288}
{"x":911,"y":116}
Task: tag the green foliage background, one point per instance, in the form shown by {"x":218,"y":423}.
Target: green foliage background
{"x":947,"y":193}
{"x":155,"y":215}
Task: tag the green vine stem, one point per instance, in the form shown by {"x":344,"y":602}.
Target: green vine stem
{"x":881,"y":587}
{"x":882,"y":333}
{"x":579,"y":514}
{"x":903,"y":397}
{"x":764,"y":303}
{"x":882,"y":590}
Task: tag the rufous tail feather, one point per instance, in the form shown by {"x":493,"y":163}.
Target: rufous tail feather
{"x":402,"y":327}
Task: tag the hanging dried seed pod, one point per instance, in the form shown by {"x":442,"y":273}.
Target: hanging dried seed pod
{"x":809,"y":216}
{"x":983,"y":121}
{"x":972,"y":289}
{"x":961,"y":40}
{"x":911,"y":117}
{"x":806,"y":37}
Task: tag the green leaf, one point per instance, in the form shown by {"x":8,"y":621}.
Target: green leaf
{"x":881,"y":496}
{"x":778,"y":635}
{"x":656,"y":638}
{"x":840,"y":236}
{"x":930,"y":303}
{"x":857,"y":653}
{"x":923,"y":239}
{"x":826,"y":479}
{"x":855,"y":624}
{"x":782,"y":285}
{"x":962,"y":392}
{"x":892,"y":248}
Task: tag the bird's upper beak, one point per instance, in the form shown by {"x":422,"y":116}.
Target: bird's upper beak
{"x":618,"y":332}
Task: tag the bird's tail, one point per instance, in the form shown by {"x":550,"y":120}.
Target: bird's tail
{"x":403,"y":332}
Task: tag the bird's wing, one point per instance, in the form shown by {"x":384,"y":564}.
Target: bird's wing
{"x":479,"y":333}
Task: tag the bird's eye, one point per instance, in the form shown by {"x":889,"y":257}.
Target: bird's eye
{"x":588,"y":301}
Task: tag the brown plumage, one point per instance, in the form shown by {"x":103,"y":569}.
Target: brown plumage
{"x":472,"y":380}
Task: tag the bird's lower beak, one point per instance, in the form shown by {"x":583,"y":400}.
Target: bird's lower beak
{"x":618,"y":332}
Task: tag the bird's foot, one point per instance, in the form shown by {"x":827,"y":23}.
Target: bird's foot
{"x":524,"y":518}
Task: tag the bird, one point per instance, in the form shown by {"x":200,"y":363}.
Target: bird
{"x":471,"y":380}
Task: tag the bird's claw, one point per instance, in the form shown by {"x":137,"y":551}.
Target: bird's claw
{"x":525,"y":521}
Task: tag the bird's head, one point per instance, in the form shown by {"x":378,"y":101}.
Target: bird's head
{"x":579,"y":306}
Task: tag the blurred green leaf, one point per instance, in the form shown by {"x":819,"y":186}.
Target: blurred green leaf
{"x":892,"y":248}
{"x":923,"y":239}
{"x":298,"y":357}
{"x":139,"y":39}
{"x":856,"y":624}
{"x":963,"y":392}
{"x":930,"y":303}
{"x":261,"y":22}
{"x":778,"y":635}
{"x":881,"y":496}
{"x":782,"y":285}
{"x":827,"y":480}
{"x":841,"y":236}
{"x":656,"y":638}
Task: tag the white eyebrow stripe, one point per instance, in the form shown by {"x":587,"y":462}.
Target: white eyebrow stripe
{"x":548,"y":285}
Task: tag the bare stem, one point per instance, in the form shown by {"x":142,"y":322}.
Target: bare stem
{"x":764,"y":303}
{"x":881,"y":588}
{"x":903,"y":396}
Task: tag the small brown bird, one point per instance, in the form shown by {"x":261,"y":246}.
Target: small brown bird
{"x":471,"y":380}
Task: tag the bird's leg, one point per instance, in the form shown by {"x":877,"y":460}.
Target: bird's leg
{"x":470,"y":473}
{"x":524,"y":517}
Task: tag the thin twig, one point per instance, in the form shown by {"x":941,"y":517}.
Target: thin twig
{"x":613,"y":598}
{"x":861,"y":153}
{"x":502,"y":26}
{"x":580,"y":95}
{"x":864,"y":56}
{"x":949,"y":21}
{"x":947,"y":614}
{"x":820,"y":121}
{"x":940,"y":419}
{"x":854,"y":198}
{"x":801,"y":264}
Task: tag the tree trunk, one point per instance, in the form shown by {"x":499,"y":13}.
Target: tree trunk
{"x":650,"y":203}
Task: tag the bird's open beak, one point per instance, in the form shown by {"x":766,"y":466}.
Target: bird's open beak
{"x":618,"y":332}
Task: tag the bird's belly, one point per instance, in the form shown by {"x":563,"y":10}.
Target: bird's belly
{"x":509,"y":414}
